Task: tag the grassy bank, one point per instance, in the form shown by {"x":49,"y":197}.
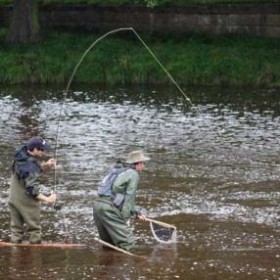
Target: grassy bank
{"x":227,"y":61}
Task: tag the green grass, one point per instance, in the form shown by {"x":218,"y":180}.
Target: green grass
{"x":194,"y":60}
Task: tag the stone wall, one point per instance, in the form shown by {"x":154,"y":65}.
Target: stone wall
{"x":260,"y":20}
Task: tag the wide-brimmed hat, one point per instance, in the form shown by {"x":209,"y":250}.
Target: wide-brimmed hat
{"x":39,"y":143}
{"x":136,"y":156}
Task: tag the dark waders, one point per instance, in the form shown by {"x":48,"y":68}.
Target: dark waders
{"x":24,"y":210}
{"x":111,"y":226}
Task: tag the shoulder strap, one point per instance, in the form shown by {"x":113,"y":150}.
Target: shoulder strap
{"x":105,"y":187}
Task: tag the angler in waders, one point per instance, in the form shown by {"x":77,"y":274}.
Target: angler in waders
{"x":115,"y":204}
{"x":25,"y":190}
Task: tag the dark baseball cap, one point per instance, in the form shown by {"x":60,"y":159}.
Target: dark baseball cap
{"x":39,"y":143}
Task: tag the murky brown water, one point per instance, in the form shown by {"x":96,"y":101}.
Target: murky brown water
{"x":214,"y":174}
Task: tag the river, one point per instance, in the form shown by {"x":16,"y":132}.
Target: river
{"x":214,"y":174}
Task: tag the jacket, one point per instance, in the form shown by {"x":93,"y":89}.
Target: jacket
{"x":27,"y":170}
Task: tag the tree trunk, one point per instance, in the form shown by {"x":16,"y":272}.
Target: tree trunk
{"x":24,"y":25}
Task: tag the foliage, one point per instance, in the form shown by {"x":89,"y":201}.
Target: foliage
{"x":204,"y":60}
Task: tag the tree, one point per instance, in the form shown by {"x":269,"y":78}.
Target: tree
{"x":24,"y":26}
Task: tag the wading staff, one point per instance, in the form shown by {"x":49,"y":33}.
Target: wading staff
{"x":116,"y":248}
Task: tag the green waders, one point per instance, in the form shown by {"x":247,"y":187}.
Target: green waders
{"x":111,"y":225}
{"x":24,"y":210}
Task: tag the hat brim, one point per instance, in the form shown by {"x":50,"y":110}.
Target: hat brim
{"x":141,"y":159}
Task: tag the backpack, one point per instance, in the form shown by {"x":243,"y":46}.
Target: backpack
{"x":105,"y":187}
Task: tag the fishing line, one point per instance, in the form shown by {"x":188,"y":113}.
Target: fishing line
{"x":80,"y":61}
{"x":74,"y":73}
{"x":163,"y":68}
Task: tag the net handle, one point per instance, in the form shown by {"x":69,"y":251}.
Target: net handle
{"x":159,"y":223}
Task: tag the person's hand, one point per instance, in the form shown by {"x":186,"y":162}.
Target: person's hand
{"x":51,"y":162}
{"x":49,"y":199}
{"x":52,"y":198}
{"x":141,"y":217}
{"x":48,"y":164}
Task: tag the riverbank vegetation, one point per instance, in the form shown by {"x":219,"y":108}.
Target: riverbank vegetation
{"x":122,"y":58}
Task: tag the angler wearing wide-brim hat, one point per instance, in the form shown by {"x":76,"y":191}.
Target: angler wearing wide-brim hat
{"x":115,"y":204}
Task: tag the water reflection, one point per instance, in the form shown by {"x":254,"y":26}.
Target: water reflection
{"x":214,"y":174}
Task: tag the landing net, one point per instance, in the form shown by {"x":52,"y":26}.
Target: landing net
{"x":163,"y":233}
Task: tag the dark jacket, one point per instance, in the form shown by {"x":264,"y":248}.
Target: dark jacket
{"x":27,"y":169}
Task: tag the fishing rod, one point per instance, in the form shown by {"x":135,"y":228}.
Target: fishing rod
{"x":79,"y":63}
{"x":56,"y":205}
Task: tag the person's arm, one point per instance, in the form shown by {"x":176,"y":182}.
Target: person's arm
{"x":136,"y":213}
{"x":127,"y":183}
{"x":33,"y":189}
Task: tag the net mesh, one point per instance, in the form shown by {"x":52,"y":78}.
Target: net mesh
{"x":162,"y":233}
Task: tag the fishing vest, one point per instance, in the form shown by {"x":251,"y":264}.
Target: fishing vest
{"x":105,"y":188}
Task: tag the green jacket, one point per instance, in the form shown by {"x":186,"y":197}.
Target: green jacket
{"x":126,"y":183}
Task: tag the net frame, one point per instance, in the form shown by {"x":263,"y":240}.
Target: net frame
{"x":173,"y":236}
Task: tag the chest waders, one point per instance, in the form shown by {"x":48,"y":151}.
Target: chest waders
{"x":24,"y":211}
{"x":24,"y":208}
{"x":111,"y":225}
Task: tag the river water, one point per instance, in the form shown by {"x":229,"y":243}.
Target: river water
{"x":214,"y":174}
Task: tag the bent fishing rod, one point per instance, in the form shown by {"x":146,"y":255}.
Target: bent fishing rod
{"x":79,"y":63}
